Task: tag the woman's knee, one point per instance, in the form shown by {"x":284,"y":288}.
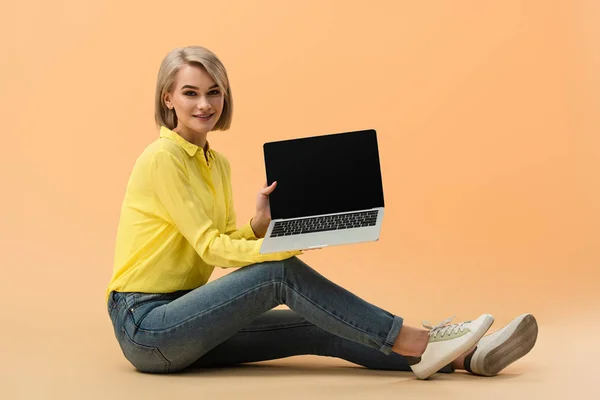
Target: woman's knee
{"x":294,"y":262}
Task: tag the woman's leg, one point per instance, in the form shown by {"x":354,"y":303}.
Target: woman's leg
{"x":283,"y":333}
{"x":162,"y":333}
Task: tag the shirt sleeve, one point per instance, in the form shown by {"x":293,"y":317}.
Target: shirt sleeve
{"x":246,"y":231}
{"x":171,"y":184}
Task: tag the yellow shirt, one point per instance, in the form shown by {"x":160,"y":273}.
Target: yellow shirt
{"x":177,"y":221}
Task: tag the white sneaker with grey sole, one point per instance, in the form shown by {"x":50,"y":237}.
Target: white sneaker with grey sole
{"x":496,"y":351}
{"x":447,"y":342}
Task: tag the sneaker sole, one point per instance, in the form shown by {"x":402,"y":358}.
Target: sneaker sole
{"x":518,"y":343}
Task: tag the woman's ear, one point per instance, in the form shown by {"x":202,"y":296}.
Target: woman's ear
{"x":167,"y":100}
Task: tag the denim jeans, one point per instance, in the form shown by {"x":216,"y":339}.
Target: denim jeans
{"x":230,"y":321}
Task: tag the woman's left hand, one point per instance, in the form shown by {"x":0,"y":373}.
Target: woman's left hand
{"x":260,"y":222}
{"x":263,"y":209}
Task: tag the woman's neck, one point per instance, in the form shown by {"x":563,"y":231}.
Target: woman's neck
{"x":199,"y":139}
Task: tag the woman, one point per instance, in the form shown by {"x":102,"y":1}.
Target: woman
{"x":178,"y":223}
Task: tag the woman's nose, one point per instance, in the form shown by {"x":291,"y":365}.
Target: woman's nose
{"x":203,"y":103}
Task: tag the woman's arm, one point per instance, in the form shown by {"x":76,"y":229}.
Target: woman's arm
{"x":172,"y":186}
{"x":253,"y":229}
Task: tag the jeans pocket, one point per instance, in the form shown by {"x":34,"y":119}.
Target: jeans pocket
{"x":142,"y":304}
{"x":144,"y":358}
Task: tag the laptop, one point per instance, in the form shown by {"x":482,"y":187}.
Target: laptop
{"x":329,"y":191}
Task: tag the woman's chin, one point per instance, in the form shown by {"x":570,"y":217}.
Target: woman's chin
{"x":200,"y":128}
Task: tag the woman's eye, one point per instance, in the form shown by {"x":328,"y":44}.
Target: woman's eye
{"x":212,"y":93}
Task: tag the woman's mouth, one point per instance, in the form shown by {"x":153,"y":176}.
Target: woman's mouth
{"x":203,"y":117}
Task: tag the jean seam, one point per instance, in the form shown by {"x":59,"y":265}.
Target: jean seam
{"x":156,"y":350}
{"x":207,"y":310}
{"x":335,"y":317}
{"x":301,"y":325}
{"x":283,"y":269}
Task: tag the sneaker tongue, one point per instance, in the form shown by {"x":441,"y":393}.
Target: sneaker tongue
{"x":442,"y":324}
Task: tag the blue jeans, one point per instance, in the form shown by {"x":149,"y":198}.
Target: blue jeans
{"x":227,"y":322}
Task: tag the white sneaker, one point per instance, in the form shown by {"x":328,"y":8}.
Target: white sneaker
{"x":447,"y":342}
{"x":496,"y":351}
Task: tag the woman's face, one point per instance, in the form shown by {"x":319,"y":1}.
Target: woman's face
{"x":197,"y":100}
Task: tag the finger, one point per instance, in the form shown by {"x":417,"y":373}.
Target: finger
{"x":269,"y":189}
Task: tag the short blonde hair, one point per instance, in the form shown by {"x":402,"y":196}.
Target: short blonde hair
{"x":167,"y":74}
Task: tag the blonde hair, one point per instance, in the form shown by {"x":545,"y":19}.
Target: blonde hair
{"x":167,"y":74}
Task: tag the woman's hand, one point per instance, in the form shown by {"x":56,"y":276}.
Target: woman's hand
{"x":263,"y":209}
{"x":260,"y":222}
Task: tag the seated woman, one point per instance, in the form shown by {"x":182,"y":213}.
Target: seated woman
{"x":178,"y":223}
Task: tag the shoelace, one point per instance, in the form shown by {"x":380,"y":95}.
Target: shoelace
{"x":444,"y":328}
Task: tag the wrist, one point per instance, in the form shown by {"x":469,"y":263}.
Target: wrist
{"x":259,"y":225}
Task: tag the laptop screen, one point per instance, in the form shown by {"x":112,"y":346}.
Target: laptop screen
{"x":324,"y":174}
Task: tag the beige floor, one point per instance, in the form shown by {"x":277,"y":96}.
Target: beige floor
{"x":49,"y":362}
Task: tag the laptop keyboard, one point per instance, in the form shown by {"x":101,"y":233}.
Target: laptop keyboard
{"x":325,"y":223}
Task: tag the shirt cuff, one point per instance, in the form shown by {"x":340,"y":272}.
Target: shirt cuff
{"x":247,"y":232}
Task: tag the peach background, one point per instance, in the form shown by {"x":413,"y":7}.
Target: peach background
{"x":487,"y":116}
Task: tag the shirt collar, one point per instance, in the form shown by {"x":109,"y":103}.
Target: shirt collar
{"x":189,"y":148}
